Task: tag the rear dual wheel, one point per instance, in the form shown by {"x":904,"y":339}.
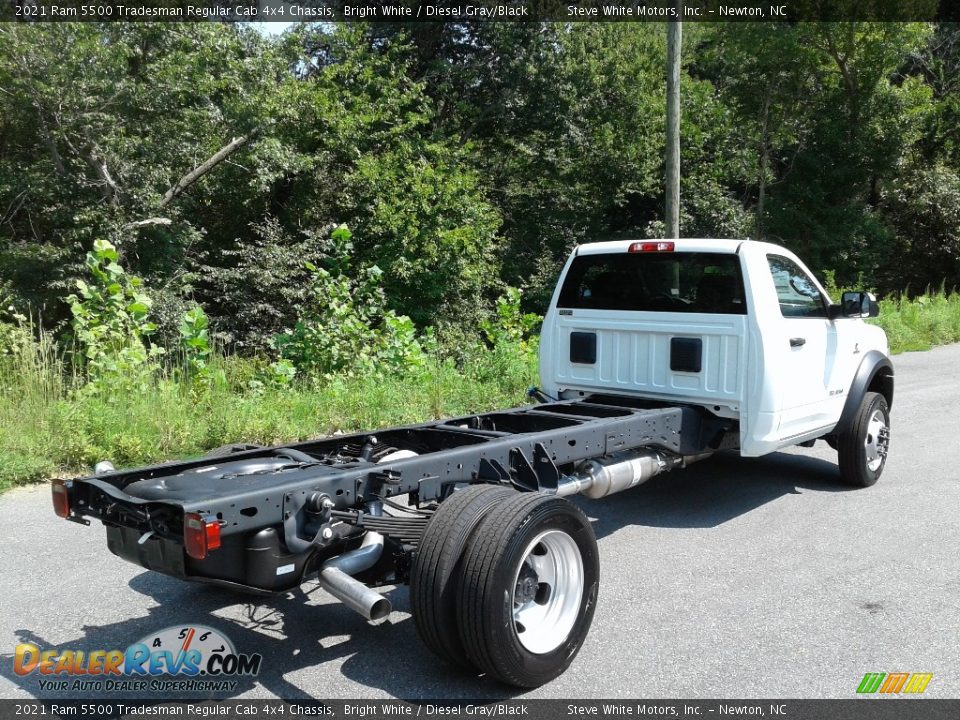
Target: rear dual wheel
{"x":439,"y":563}
{"x":529,"y":589}
{"x":521,"y":597}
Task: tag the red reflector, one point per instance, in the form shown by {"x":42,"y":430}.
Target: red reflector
{"x":213,"y":535}
{"x":657,"y":246}
{"x":200,"y":535}
{"x":61,"y":498}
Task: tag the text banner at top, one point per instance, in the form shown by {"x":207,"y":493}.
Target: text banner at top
{"x":107,"y":708}
{"x":287,"y":11}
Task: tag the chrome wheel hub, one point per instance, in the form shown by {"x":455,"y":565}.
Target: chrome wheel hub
{"x":547,"y":590}
{"x":877,"y":442}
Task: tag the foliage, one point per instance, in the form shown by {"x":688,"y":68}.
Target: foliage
{"x":921,"y":322}
{"x":110,"y":322}
{"x":14,"y":336}
{"x":47,"y":429}
{"x":346,"y":327}
{"x":256,"y":285}
{"x":923,"y":205}
{"x":567,"y":123}
{"x":466,"y":156}
{"x":378,"y":165}
{"x":829,"y":118}
{"x":99,"y":122}
{"x":195,"y":342}
{"x":278,"y":375}
{"x":511,"y":325}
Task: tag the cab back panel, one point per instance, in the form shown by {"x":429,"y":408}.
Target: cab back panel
{"x":639,"y":353}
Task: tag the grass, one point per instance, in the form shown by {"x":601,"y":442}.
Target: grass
{"x":922,"y":322}
{"x":48,"y":427}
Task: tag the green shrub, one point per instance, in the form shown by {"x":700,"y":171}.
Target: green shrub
{"x":195,"y":343}
{"x":110,"y":323}
{"x":14,"y":337}
{"x":921,"y":322}
{"x":277,"y":375}
{"x":510,"y":324}
{"x":346,"y":327}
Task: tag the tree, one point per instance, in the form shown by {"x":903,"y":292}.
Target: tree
{"x":764,"y":74}
{"x":113,"y":130}
{"x":923,"y":207}
{"x":378,"y":165}
{"x":830,"y":118}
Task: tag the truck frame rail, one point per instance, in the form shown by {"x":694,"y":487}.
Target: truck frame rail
{"x":300,"y":504}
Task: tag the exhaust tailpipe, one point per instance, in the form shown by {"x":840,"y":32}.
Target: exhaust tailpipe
{"x":336,"y":578}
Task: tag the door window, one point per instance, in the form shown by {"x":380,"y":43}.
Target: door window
{"x":797,"y":293}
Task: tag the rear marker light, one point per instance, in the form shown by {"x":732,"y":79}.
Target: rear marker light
{"x":201,"y":534}
{"x":61,"y":498}
{"x":658,"y":246}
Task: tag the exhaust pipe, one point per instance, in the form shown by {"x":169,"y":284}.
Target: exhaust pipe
{"x":336,"y":578}
{"x":621,"y":471}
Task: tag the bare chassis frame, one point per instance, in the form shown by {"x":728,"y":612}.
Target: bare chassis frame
{"x":316,"y":506}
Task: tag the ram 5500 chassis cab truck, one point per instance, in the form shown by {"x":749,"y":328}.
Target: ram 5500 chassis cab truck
{"x":654,"y":354}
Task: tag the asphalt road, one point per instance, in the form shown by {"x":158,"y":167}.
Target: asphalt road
{"x":735,"y":578}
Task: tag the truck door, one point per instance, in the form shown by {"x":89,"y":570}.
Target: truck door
{"x":809,"y":350}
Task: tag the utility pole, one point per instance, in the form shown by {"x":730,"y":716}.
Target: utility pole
{"x":673,"y":123}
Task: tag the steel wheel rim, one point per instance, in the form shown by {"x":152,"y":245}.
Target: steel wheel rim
{"x":877,"y":441}
{"x":547,"y":590}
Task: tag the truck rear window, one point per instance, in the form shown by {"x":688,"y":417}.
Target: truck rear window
{"x":658,"y":282}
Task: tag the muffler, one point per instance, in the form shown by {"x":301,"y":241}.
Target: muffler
{"x":620,"y":471}
{"x":336,"y":578}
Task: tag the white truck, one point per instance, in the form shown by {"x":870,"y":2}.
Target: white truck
{"x":654,"y":354}
{"x":737,"y":327}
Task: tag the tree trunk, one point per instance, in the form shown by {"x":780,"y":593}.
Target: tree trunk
{"x":95,"y":159}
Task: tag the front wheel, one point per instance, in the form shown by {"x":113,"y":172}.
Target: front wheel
{"x":528,"y":589}
{"x":862,"y":449}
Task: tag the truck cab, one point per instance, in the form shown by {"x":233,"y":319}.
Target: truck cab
{"x":740,"y":328}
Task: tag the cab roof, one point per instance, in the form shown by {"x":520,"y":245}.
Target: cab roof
{"x":680,"y":245}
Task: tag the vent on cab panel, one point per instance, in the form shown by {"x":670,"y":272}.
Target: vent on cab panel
{"x":583,"y":348}
{"x":686,"y":354}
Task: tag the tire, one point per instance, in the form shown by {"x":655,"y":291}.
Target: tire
{"x":521,"y":619}
{"x":226,"y":450}
{"x":862,"y":449}
{"x":438,"y":564}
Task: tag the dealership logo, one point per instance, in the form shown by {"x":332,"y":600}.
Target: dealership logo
{"x":894,"y":683}
{"x":190,"y":651}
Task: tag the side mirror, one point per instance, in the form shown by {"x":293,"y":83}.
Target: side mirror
{"x":856,"y":305}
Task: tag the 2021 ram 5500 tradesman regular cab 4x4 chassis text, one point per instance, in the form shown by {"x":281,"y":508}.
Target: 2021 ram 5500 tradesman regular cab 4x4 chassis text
{"x":653,"y":354}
